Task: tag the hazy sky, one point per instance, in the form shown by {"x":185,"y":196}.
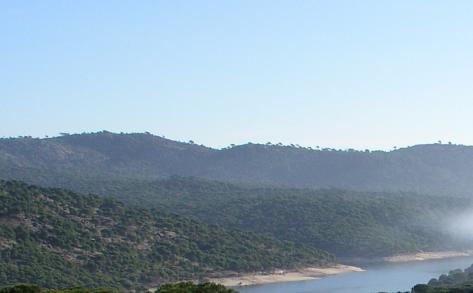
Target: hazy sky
{"x":362,"y":74}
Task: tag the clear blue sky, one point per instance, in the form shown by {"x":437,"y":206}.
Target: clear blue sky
{"x":362,"y":74}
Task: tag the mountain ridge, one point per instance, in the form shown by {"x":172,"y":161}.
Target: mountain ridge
{"x":427,"y":168}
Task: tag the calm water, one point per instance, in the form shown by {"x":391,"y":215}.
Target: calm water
{"x":386,"y":277}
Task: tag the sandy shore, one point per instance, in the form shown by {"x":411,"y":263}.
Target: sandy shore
{"x":313,"y":273}
{"x":284,"y":276}
{"x":426,"y":256}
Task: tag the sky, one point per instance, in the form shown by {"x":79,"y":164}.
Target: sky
{"x":343,"y":74}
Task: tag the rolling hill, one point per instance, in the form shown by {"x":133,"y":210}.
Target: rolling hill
{"x":345,"y":223}
{"x":436,"y":168}
{"x":57,"y":238}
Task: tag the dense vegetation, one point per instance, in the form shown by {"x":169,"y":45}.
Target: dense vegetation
{"x":57,"y":238}
{"x":26,"y":288}
{"x":189,"y":287}
{"x":436,"y":168}
{"x":183,"y":287}
{"x":353,"y":224}
{"x":456,"y":281}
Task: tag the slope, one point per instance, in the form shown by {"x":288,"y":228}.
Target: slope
{"x":58,"y":238}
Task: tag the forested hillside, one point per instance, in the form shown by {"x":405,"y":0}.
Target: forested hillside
{"x":137,"y":169}
{"x":456,"y":281}
{"x":346,"y":223}
{"x":436,"y":168}
{"x":181,"y":287}
{"x":57,"y":238}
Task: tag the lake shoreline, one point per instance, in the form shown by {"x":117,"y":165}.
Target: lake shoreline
{"x":277,"y":276}
{"x":426,"y":255}
{"x":313,"y":273}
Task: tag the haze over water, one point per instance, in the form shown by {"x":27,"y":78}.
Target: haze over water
{"x":380,"y":278}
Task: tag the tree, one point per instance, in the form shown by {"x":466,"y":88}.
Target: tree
{"x":23,"y":288}
{"x":189,"y":287}
{"x":420,"y":288}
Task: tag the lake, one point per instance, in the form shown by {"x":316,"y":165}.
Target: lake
{"x":391,"y":277}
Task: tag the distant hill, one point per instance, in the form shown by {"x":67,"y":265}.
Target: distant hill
{"x":436,"y":168}
{"x":58,"y":238}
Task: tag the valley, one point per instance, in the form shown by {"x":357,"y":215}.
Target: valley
{"x":163,"y":228}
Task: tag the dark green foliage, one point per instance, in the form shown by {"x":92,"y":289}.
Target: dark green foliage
{"x":420,"y":288}
{"x":182,"y":287}
{"x":189,"y":287}
{"x":57,"y":238}
{"x":22,"y":288}
{"x":35,"y":289}
{"x":346,"y":223}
